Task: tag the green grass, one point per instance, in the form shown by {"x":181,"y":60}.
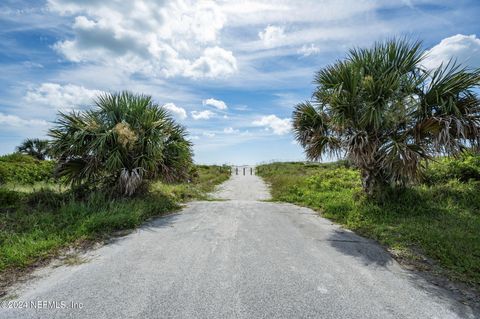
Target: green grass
{"x":207,"y":177}
{"x":440,"y":221}
{"x":36,"y":223}
{"x":35,"y":230}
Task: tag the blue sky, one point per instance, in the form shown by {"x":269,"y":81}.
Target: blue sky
{"x":230,"y":71}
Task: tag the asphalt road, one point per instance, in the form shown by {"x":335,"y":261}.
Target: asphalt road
{"x":237,"y":258}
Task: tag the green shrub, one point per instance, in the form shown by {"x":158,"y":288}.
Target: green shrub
{"x":24,"y":169}
{"x":464,"y":168}
{"x":18,"y":158}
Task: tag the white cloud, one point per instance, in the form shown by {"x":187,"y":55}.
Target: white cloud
{"x":166,"y":38}
{"x":230,"y":130}
{"x":203,"y":115}
{"x":465,"y":49}
{"x":307,"y":50}
{"x":215,"y":103}
{"x":215,"y":62}
{"x":272,"y":35}
{"x":176,"y":110}
{"x":15,"y":121}
{"x":212,"y":39}
{"x":277,"y":125}
{"x":61,"y":97}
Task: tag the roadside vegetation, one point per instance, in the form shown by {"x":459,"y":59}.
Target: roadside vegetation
{"x":438,"y":219}
{"x":105,"y":170}
{"x":410,"y":138}
{"x":388,"y":115}
{"x":39,"y":219}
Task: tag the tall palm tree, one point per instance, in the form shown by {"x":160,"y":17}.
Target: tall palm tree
{"x":35,"y":147}
{"x":118,"y":145}
{"x":385,"y":112}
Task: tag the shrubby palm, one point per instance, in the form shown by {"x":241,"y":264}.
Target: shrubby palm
{"x":387,"y":114}
{"x":35,"y":147}
{"x":124,"y":141}
{"x":177,"y":164}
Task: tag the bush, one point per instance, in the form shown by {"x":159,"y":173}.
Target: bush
{"x":24,"y":169}
{"x":464,"y":169}
{"x":18,"y":158}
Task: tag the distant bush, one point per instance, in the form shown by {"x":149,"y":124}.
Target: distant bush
{"x":464,"y":169}
{"x":24,"y":169}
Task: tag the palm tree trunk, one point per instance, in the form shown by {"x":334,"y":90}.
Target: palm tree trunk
{"x":369,"y":182}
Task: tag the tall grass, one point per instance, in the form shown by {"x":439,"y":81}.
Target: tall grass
{"x":42,"y":222}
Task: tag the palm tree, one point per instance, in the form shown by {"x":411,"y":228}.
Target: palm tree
{"x":118,"y":145}
{"x":35,"y":147}
{"x":387,"y":114}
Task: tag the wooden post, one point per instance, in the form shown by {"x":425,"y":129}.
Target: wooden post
{"x":244,"y":171}
{"x":236,"y":170}
{"x":251,"y":170}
